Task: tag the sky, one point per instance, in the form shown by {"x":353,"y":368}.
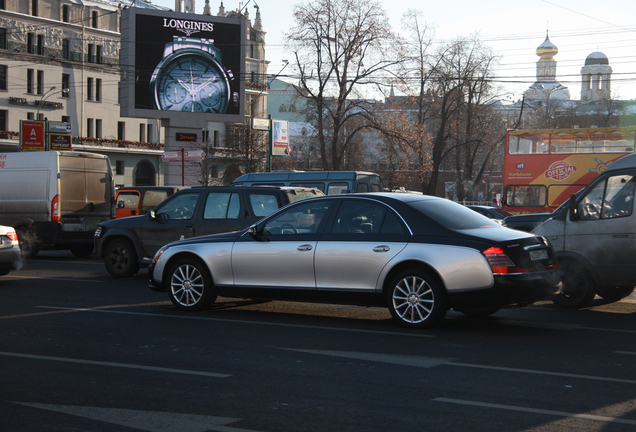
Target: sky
{"x":513,"y":29}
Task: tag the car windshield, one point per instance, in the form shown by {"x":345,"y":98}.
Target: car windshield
{"x":452,"y":215}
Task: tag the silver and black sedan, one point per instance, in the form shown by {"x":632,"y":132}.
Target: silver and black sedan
{"x":417,"y":255}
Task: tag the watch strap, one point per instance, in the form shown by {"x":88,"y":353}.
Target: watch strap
{"x":186,"y":42}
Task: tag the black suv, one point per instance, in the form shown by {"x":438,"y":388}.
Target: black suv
{"x":193,"y":212}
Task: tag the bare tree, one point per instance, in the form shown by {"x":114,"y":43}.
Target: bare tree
{"x":341,"y":48}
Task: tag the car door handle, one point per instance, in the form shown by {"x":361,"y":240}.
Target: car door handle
{"x":189,"y":226}
{"x":304,"y":247}
{"x":382,"y":248}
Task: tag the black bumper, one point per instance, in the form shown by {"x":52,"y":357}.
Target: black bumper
{"x":509,"y":290}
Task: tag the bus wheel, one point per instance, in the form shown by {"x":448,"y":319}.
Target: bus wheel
{"x":577,"y":289}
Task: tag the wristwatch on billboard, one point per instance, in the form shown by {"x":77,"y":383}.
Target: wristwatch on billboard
{"x":191,"y":77}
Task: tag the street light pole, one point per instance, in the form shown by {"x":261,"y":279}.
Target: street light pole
{"x":44,"y":96}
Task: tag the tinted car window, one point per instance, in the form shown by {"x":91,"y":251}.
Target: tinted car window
{"x":452,"y":215}
{"x":180,"y":207}
{"x":264,"y":204}
{"x":301,"y":219}
{"x":359,"y":217}
{"x":221,"y":205}
{"x":127,"y":200}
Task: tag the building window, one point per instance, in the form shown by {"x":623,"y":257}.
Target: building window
{"x":30,"y":76}
{"x":40,"y":46}
{"x":3,"y":78}
{"x":40,"y":82}
{"x":150,"y":135}
{"x":214,"y":171}
{"x":4,"y":115}
{"x":282,"y":108}
{"x":98,"y":128}
{"x":98,"y":54}
{"x":30,"y":43}
{"x":66,"y":49}
{"x":91,"y":50}
{"x":89,"y":128}
{"x":216,"y":138}
{"x":65,"y":13}
{"x":121,"y":131}
{"x":2,"y":4}
{"x":142,"y":133}
{"x":89,"y":88}
{"x":119,"y":167}
{"x":95,"y":19}
{"x":98,"y":89}
{"x":30,"y":116}
{"x":34,"y":7}
{"x":3,"y":38}
{"x":66,"y":85}
{"x":66,"y":119}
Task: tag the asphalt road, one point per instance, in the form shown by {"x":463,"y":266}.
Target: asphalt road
{"x":81,"y":351}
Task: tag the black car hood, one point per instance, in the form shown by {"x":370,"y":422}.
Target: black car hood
{"x":494,"y":234}
{"x":127,"y":222}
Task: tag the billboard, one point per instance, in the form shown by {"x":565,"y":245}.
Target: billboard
{"x":32,"y":133}
{"x":280,"y":138}
{"x":183,"y":67}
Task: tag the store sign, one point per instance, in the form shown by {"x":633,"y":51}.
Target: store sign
{"x":186,"y":136}
{"x":59,"y":141}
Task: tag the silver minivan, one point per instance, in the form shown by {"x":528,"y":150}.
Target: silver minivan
{"x":594,"y":236}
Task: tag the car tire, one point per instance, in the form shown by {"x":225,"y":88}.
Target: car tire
{"x":615,"y":293}
{"x":82,"y":251}
{"x":190,"y":286}
{"x":578,"y":289}
{"x":120,"y":258}
{"x":415,"y":300}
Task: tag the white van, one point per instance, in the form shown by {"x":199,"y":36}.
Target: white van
{"x":55,"y":199}
{"x":594,"y":236}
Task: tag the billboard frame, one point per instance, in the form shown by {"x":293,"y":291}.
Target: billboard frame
{"x":135,"y":78}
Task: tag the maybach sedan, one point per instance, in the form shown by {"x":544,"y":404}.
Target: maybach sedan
{"x":417,"y":255}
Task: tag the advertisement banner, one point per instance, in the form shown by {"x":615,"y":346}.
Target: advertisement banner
{"x":59,"y":141}
{"x":280,"y":138}
{"x":32,"y":135}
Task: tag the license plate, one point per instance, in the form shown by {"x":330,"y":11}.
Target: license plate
{"x":539,"y":255}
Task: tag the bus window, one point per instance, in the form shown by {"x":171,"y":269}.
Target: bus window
{"x":316,"y":185}
{"x":526,"y":196}
{"x":362,"y":187}
{"x":337,"y":188}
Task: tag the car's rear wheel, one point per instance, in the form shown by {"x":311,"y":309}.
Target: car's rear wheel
{"x":120,"y":258}
{"x":190,"y":286}
{"x":415,"y":300}
{"x":578,"y":289}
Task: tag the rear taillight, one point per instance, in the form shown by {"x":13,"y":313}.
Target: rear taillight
{"x":55,"y":215}
{"x":500,"y":263}
{"x":12,"y":235}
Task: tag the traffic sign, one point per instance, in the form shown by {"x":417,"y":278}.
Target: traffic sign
{"x":187,"y":155}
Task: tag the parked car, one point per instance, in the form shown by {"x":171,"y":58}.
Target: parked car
{"x":526,"y":222}
{"x":138,"y":200}
{"x":418,"y":255}
{"x":495,"y":213}
{"x":9,"y":249}
{"x":124,"y":243}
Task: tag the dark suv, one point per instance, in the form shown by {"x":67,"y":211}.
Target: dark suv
{"x":124,"y":243}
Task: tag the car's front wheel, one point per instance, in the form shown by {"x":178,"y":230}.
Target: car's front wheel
{"x":120,"y":258}
{"x":190,"y":286}
{"x":415,"y":300}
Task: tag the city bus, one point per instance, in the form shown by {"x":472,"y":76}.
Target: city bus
{"x":543,"y":168}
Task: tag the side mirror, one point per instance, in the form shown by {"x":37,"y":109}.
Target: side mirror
{"x":574,"y":213}
{"x":253,"y":231}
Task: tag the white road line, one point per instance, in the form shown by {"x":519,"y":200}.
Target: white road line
{"x":538,"y":411}
{"x":625,"y":352}
{"x":428,"y":362}
{"x":111,"y":364}
{"x":53,"y":278}
{"x":261,"y":323}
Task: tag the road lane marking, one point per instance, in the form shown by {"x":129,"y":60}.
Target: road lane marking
{"x":625,"y":352}
{"x":112,"y":364}
{"x":152,"y":421}
{"x":428,"y":362}
{"x":70,"y":310}
{"x":53,"y":279}
{"x":260,"y":323}
{"x":537,"y":411}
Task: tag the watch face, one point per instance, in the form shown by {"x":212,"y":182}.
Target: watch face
{"x":191,"y":82}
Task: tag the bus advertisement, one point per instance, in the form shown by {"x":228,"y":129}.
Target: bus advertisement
{"x":543,"y":168}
